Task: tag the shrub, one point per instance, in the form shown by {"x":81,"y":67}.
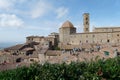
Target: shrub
{"x":101,"y":69}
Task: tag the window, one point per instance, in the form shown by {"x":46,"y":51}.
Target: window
{"x":86,"y":41}
{"x":86,"y":22}
{"x":17,"y":51}
{"x":31,"y":60}
{"x":108,"y":40}
{"x":86,"y":29}
{"x":117,"y":34}
{"x":80,"y":41}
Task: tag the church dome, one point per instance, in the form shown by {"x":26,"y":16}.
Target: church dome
{"x":67,"y":24}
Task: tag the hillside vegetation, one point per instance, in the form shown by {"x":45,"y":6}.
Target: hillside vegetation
{"x":99,"y":70}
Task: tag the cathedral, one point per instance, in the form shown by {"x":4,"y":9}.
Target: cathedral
{"x":69,"y":38}
{"x":101,"y":35}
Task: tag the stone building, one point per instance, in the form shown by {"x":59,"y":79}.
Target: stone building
{"x":51,"y":40}
{"x":101,"y":35}
{"x":26,"y":48}
{"x":68,"y":36}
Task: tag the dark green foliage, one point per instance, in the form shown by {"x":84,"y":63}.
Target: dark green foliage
{"x":101,"y":69}
{"x":56,"y":48}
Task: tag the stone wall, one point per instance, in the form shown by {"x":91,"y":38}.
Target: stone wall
{"x":98,"y":37}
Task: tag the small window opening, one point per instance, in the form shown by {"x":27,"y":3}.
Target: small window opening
{"x":117,"y":34}
{"x":86,"y":41}
{"x":108,"y":40}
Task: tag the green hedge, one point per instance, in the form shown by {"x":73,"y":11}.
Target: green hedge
{"x":100,"y":70}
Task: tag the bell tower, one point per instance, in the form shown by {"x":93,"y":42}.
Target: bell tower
{"x":86,"y":22}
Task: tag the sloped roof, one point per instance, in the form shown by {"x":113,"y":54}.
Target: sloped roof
{"x":16,"y":47}
{"x":28,"y":49}
{"x":105,"y":27}
{"x":53,"y":53}
{"x":31,"y":43}
{"x":67,"y":24}
{"x":35,"y":37}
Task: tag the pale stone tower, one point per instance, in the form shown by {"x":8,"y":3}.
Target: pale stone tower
{"x":64,"y":32}
{"x":86,"y":22}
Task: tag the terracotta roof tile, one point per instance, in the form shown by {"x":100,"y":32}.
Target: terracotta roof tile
{"x":67,"y":24}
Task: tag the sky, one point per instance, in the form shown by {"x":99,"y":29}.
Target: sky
{"x":22,"y":18}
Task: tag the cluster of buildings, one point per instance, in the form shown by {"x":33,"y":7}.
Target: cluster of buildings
{"x":51,"y":40}
{"x":38,"y":48}
{"x":67,"y":38}
{"x":34,"y":47}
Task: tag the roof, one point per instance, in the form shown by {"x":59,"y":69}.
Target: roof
{"x":107,"y":27}
{"x":35,"y":37}
{"x":94,"y":33}
{"x":53,"y":53}
{"x":16,"y":47}
{"x":76,"y":46}
{"x":31,"y":43}
{"x":21,"y":46}
{"x":67,"y":24}
{"x":28,"y":49}
{"x":13,"y":66}
{"x":85,"y":13}
{"x":54,"y":33}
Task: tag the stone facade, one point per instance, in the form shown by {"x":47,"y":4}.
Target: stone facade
{"x":86,"y":22}
{"x":65,"y":31}
{"x":51,"y":40}
{"x":102,"y":35}
{"x":68,"y":36}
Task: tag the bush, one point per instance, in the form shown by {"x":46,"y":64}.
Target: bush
{"x":101,"y":69}
{"x":56,"y":48}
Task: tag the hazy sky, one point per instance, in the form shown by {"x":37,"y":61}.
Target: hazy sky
{"x":21,"y":18}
